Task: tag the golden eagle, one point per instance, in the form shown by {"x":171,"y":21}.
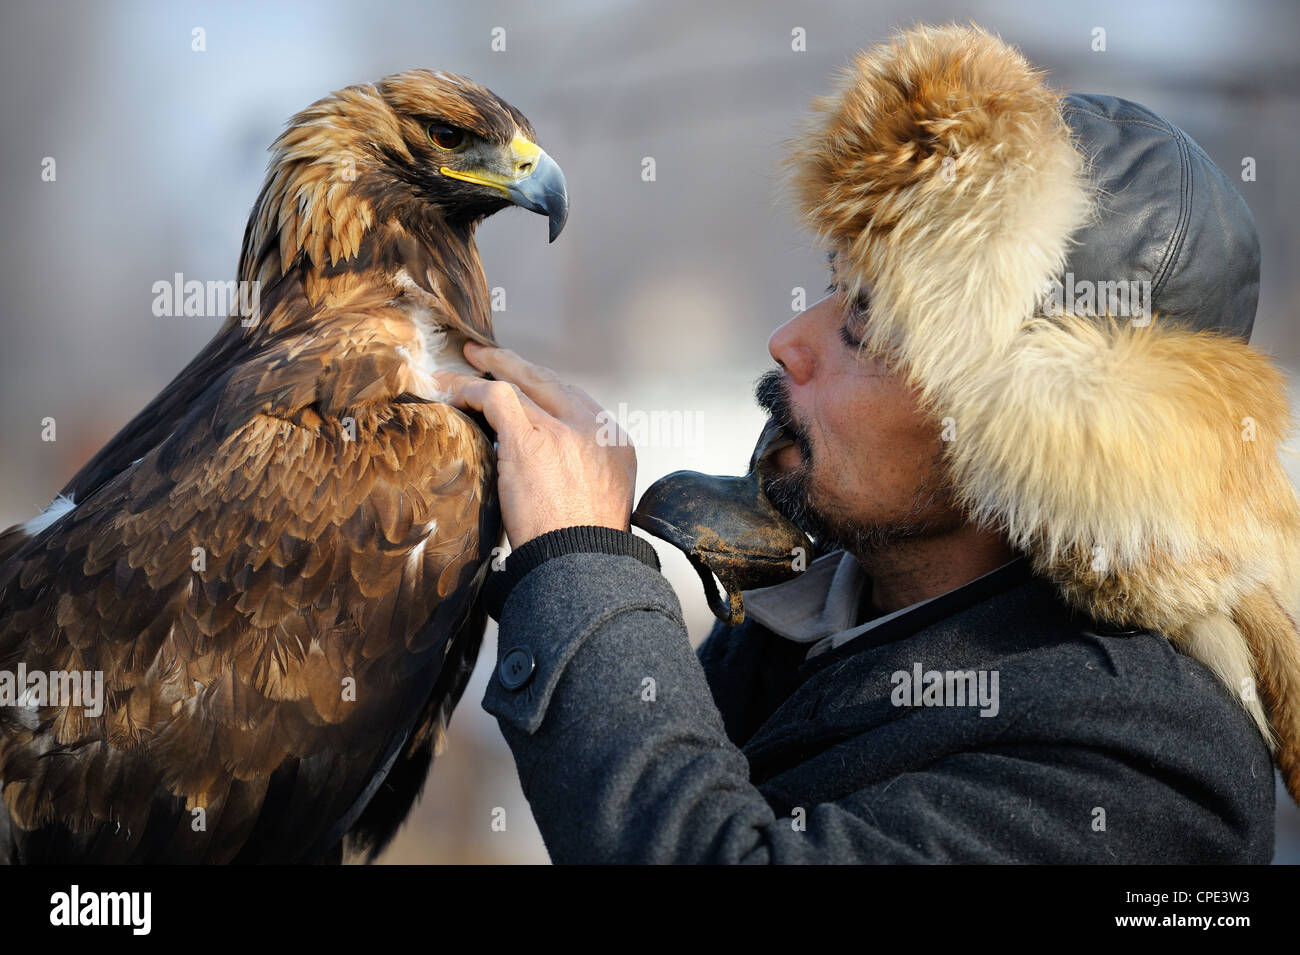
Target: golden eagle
{"x":274,"y":566}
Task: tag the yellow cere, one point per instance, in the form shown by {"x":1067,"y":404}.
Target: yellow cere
{"x":524,"y":149}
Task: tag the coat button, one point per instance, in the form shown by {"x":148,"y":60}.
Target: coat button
{"x":1115,"y":630}
{"x":516,"y":668}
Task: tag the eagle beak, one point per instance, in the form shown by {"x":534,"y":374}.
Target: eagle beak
{"x":536,"y":182}
{"x":542,"y":187}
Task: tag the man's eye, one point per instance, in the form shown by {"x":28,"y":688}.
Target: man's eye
{"x":855,"y":319}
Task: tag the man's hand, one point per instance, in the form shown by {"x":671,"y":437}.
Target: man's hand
{"x":553,"y":472}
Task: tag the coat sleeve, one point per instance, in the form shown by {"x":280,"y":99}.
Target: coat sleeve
{"x":624,"y":756}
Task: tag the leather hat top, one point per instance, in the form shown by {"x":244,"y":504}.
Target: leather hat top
{"x":1166,"y":215}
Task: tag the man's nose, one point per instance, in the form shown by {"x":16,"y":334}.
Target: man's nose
{"x":788,"y":348}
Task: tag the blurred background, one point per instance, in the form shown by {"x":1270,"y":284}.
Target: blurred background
{"x":659,"y":296}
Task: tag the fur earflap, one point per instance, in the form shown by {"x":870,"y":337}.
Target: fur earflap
{"x":1138,"y":466}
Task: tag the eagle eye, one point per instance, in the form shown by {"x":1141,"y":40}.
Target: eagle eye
{"x":446,"y":137}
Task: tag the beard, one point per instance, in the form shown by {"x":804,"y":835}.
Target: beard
{"x":828,"y":523}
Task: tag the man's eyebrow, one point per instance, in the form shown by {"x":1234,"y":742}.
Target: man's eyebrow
{"x":860,"y":305}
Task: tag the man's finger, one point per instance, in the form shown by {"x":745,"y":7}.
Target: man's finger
{"x":536,"y":381}
{"x":506,"y":408}
{"x":451,"y":383}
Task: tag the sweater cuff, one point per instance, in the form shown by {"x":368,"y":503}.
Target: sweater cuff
{"x":581,"y":539}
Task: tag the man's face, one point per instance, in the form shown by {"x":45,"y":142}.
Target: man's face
{"x":866,"y":469}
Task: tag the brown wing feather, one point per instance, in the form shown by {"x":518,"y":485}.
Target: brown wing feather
{"x":323,"y":558}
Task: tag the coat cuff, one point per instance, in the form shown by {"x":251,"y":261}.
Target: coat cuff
{"x":554,"y":610}
{"x":580,"y":539}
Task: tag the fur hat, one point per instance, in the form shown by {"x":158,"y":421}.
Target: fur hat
{"x":1128,"y":443}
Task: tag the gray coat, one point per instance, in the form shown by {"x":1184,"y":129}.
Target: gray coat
{"x":1102,"y":747}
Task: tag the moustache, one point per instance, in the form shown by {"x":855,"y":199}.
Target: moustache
{"x":772,"y":396}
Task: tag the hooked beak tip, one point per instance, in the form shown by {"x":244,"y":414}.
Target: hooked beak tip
{"x":544,"y":191}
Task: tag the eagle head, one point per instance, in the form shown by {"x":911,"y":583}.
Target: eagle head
{"x":360,"y":174}
{"x":467,"y":150}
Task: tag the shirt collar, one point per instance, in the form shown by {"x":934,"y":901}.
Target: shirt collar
{"x":820,"y":606}
{"x":821,"y":601}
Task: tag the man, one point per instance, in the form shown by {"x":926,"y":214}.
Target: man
{"x":1055,"y":620}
